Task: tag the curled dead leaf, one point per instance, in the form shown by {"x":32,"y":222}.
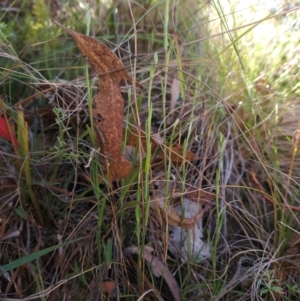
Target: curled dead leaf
{"x":176,"y":219}
{"x":108,"y":104}
{"x":167,"y":203}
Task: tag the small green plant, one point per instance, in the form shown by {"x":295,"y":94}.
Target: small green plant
{"x":268,"y":285}
{"x":292,"y":292}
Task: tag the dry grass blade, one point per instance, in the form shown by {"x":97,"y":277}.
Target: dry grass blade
{"x":209,"y":208}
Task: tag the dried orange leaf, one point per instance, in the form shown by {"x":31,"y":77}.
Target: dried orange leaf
{"x":101,"y":58}
{"x":108,"y":287}
{"x":108,"y":120}
{"x":108,"y":104}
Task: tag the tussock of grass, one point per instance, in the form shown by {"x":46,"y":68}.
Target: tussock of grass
{"x":216,"y":83}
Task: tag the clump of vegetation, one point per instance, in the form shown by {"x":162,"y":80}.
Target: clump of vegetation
{"x":209,"y":209}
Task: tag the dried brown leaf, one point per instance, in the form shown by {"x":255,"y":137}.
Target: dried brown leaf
{"x":197,"y":195}
{"x":108,"y":104}
{"x":134,"y":136}
{"x":158,"y":268}
{"x":108,"y":287}
{"x":173,"y":217}
{"x":177,"y":154}
{"x":101,"y":58}
{"x":108,"y":122}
